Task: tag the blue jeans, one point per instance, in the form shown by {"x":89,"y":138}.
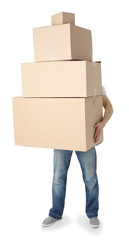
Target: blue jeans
{"x":87,"y":162}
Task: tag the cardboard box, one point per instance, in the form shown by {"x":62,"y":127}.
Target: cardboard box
{"x":62,"y":18}
{"x":62,"y":42}
{"x":60,"y":123}
{"x":61,"y":79}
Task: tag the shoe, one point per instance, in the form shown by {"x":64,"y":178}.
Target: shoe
{"x":94,"y":222}
{"x":49,"y":221}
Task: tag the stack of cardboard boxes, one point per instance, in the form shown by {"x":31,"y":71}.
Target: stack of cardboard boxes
{"x":61,"y":91}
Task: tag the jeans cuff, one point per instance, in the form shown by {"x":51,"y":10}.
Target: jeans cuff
{"x":51,"y":214}
{"x":91,"y":215}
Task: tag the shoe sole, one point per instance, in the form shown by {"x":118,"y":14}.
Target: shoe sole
{"x":94,"y":226}
{"x":47,"y":225}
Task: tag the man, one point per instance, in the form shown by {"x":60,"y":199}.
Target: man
{"x":87,"y":162}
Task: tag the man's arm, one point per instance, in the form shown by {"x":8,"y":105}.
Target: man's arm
{"x":107,"y":115}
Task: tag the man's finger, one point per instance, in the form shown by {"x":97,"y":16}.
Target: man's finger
{"x":96,"y":124}
{"x":96,"y":133}
{"x":97,"y":137}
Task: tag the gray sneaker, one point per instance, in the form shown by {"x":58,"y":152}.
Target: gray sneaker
{"x":94,"y":222}
{"x":49,"y":221}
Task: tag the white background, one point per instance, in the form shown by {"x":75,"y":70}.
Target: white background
{"x":25,"y":172}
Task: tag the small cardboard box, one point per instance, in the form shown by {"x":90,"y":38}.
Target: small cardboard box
{"x":57,"y":123}
{"x":62,"y":18}
{"x":62,"y":42}
{"x":61,"y":79}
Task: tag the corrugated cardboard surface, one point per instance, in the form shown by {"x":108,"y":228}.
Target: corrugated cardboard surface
{"x":61,"y":79}
{"x":62,"y":123}
{"x":62,"y":42}
{"x":62,"y":18}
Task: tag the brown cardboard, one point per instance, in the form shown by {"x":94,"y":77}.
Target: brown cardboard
{"x":62,"y":42}
{"x":61,"y":79}
{"x":62,"y":18}
{"x":61,"y":123}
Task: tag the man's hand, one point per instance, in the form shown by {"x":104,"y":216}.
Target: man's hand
{"x":107,"y":115}
{"x":98,"y":129}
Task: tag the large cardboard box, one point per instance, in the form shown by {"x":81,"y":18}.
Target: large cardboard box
{"x":62,"y":18}
{"x":61,"y":123}
{"x":61,"y":79}
{"x":62,"y":42}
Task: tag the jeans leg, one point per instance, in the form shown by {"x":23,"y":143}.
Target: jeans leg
{"x":61,"y":164}
{"x":88,"y":162}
